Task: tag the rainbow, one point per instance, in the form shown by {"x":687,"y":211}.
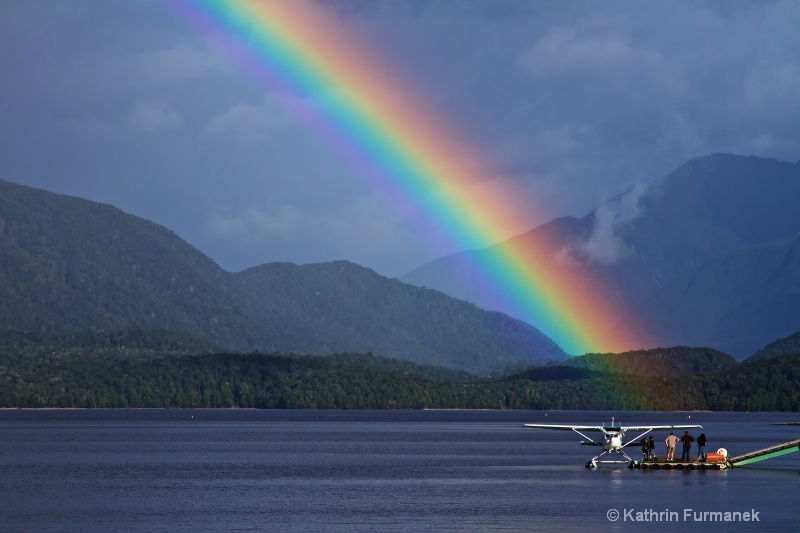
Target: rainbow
{"x":379,"y":121}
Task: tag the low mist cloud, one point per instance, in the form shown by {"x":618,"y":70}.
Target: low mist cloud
{"x":605,"y":245}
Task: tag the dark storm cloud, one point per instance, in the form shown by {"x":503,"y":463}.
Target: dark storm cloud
{"x":572,"y":102}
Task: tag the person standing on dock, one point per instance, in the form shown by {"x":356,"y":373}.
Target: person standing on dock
{"x":645,"y":449}
{"x":687,"y":441}
{"x":671,"y":441}
{"x":652,"y":447}
{"x":701,"y":447}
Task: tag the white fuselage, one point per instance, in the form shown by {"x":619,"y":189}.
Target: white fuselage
{"x":612,"y":443}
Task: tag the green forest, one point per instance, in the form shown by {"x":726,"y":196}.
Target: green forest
{"x":166,"y":369}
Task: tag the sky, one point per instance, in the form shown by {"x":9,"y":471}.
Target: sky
{"x":569,"y":103}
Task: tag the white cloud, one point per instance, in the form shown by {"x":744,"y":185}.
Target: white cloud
{"x":571,"y":51}
{"x":152,"y":115}
{"x":254,"y":225}
{"x":773,"y":90}
{"x":253,"y":123}
{"x":364,"y":231}
{"x":605,"y":246}
{"x":171,"y":65}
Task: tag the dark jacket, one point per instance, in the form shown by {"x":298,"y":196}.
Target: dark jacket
{"x":701,"y":440}
{"x":687,"y":441}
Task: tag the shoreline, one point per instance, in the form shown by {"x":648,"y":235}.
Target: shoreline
{"x":433,"y":410}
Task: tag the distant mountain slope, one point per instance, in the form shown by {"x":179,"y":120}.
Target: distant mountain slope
{"x":70,"y":265}
{"x":135,"y":343}
{"x":658,"y":249}
{"x":787,"y":346}
{"x":340,"y":306}
{"x":738,"y":301}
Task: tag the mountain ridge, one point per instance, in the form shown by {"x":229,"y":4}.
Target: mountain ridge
{"x":650,"y":246}
{"x":681,"y":253}
{"x":69,"y":264}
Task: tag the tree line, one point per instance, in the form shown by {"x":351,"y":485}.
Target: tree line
{"x":83,"y":379}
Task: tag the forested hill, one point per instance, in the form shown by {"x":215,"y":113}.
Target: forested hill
{"x":675,"y":361}
{"x":658,"y":362}
{"x":339,"y":306}
{"x":134,"y":343}
{"x":156,"y":369}
{"x":71,"y":265}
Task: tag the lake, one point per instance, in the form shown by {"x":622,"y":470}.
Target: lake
{"x":306,"y":471}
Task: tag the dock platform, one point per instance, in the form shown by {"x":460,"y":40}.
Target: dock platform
{"x":729,"y":462}
{"x":662,"y":464}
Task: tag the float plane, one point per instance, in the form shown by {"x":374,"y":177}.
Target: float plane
{"x":612,"y":438}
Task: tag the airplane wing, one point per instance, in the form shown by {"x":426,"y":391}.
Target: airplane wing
{"x":605,"y":429}
{"x":563,"y":428}
{"x":656,"y":428}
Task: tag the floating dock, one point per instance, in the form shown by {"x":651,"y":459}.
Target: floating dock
{"x":662,"y":464}
{"x":729,"y":462}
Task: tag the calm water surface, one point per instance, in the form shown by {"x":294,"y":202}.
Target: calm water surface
{"x":305,"y":471}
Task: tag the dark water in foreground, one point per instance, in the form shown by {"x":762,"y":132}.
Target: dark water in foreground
{"x":141,"y":470}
